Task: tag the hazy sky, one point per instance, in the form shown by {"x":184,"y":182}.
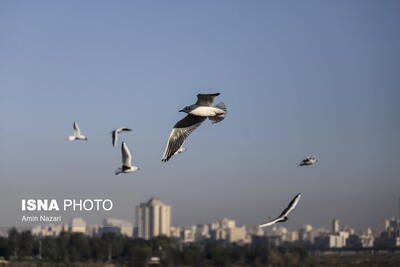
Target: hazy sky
{"x":299,"y":78}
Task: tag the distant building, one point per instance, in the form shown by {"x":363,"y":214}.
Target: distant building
{"x":293,"y":236}
{"x":368,"y":231}
{"x":219,"y":234}
{"x":195,"y":233}
{"x":335,"y":226}
{"x":176,"y":232}
{"x":306,"y":234}
{"x":202,"y":232}
{"x":189,"y":234}
{"x":227,"y":223}
{"x":387,"y":242}
{"x":78,"y":225}
{"x":237,"y":235}
{"x":267,"y":241}
{"x":227,"y":230}
{"x":214,"y":226}
{"x":117,"y":226}
{"x":153,"y":218}
{"x":390,"y":237}
{"x":93,"y":229}
{"x":49,"y":230}
{"x":333,"y":240}
{"x":367,"y":241}
{"x":256,"y":231}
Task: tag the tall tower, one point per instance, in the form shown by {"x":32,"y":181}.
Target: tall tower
{"x":153,"y":218}
{"x":335,"y":226}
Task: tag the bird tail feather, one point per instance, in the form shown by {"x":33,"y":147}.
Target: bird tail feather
{"x":218,"y":118}
{"x":222,"y":106}
{"x":71,"y":138}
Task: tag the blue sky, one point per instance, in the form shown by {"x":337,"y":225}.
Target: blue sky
{"x":310,"y":78}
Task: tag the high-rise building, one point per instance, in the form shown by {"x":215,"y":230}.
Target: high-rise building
{"x":153,"y":218}
{"x":335,"y":226}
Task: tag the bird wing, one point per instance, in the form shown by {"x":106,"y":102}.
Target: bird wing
{"x":291,"y":206}
{"x":206,"y":99}
{"x":77,"y":130}
{"x":126,"y":155}
{"x":179,"y":133}
{"x":270,"y":222}
{"x":304,"y":161}
{"x":114,"y":137}
{"x":125,"y":129}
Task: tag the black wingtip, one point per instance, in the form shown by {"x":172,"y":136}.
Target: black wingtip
{"x":214,"y":94}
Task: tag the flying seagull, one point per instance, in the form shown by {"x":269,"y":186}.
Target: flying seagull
{"x":197,"y":113}
{"x":77,"y":134}
{"x":116,"y":132}
{"x":308,"y":161}
{"x":283,"y":217}
{"x":126,"y":161}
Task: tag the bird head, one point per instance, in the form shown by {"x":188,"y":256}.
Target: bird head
{"x":185,"y":109}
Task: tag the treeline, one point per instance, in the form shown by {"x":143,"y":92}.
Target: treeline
{"x":118,"y":249}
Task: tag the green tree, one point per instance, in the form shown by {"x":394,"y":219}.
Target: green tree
{"x":115,"y":244}
{"x":137,"y":252}
{"x":99,"y":249}
{"x":63,"y":246}
{"x":50,"y":249}
{"x":79,"y":247}
{"x":26,"y":244}
{"x":192,"y":256}
{"x":3,"y":247}
{"x":13,"y":243}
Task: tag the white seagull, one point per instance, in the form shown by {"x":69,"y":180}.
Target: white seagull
{"x":197,"y":113}
{"x":77,"y":134}
{"x":126,"y":161}
{"x":308,"y":161}
{"x":116,"y":132}
{"x":283,"y":217}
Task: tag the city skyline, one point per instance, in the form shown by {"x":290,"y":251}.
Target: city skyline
{"x":338,"y":237}
{"x":298,"y":79}
{"x":154,"y":217}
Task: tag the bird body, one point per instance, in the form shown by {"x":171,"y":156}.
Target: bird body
{"x":205,"y":111}
{"x":127,"y":166}
{"x":197,"y":113}
{"x":77,"y":134}
{"x":283,"y":216}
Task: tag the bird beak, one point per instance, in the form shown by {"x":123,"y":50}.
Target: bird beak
{"x":181,"y":110}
